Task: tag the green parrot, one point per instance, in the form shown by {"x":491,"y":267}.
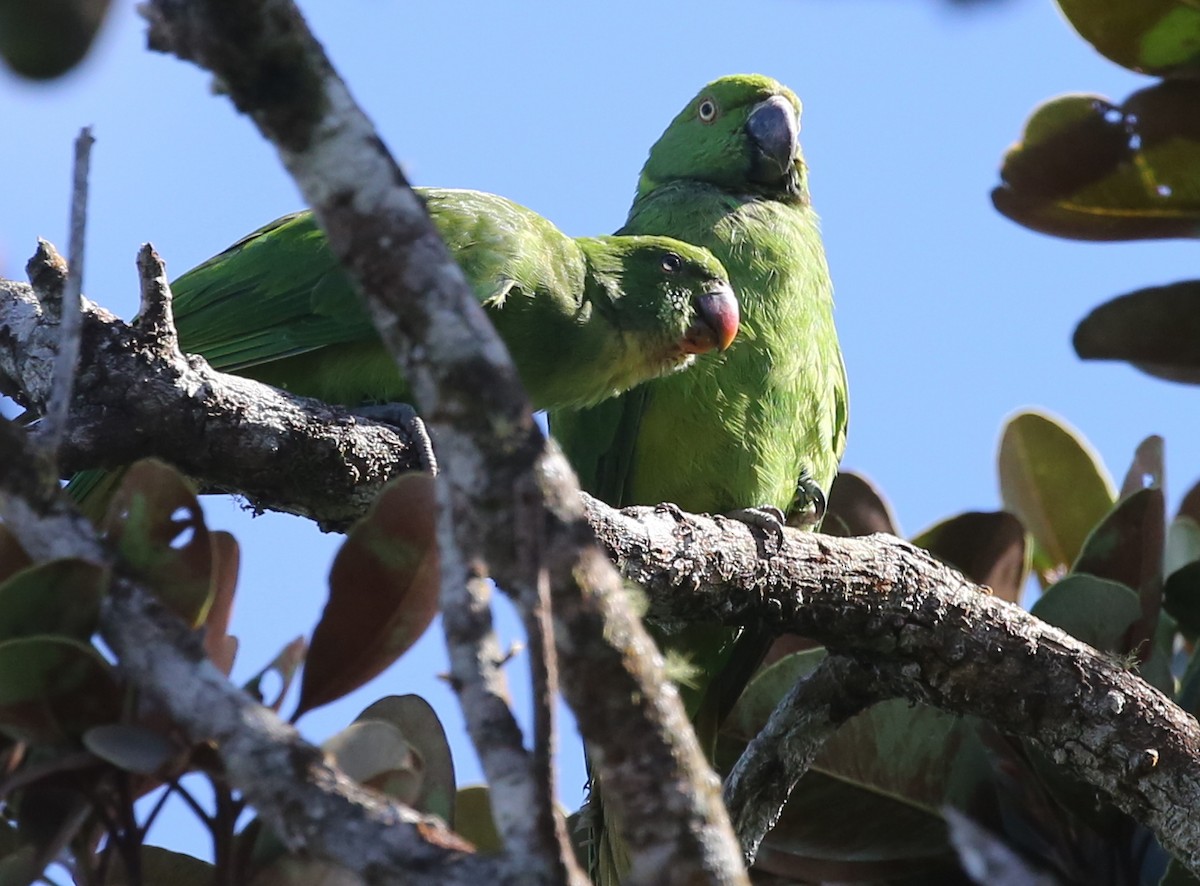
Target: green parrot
{"x":584,"y":319}
{"x":754,"y":430}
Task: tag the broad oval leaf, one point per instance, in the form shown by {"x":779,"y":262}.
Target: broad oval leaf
{"x":1156,"y":329}
{"x":56,"y":597}
{"x":1148,"y":467}
{"x":159,"y":867}
{"x":1088,"y":169}
{"x":1056,"y":485}
{"x":130,"y":747}
{"x":423,"y":730}
{"x":53,"y":689}
{"x":1149,"y":36}
{"x":876,"y":789}
{"x":856,"y":507}
{"x":986,"y":546}
{"x":383,"y":593}
{"x":12,"y":556}
{"x":377,"y":754}
{"x":1097,"y":611}
{"x":1183,"y":544}
{"x":1127,"y":547}
{"x":291,"y":870}
{"x":1181,"y":598}
{"x":156,"y":523}
{"x":44,"y":40}
{"x":473,"y":818}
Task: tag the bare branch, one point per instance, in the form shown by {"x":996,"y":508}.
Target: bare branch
{"x":136,"y":397}
{"x":70,"y":307}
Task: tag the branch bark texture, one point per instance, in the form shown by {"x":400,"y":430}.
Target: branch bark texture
{"x":509,"y":509}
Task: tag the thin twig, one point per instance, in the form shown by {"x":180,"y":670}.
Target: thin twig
{"x":70,"y":317}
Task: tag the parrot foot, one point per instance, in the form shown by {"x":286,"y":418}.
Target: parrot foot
{"x":401,"y":415}
{"x":767,"y":518}
{"x":809,"y":505}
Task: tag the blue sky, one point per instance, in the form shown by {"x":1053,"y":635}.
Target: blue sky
{"x":950,"y":316}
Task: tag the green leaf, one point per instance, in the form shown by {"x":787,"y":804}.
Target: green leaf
{"x":1178,"y":875}
{"x":376,"y":754}
{"x":1127,"y":547}
{"x":1156,"y":329}
{"x":877,"y":788}
{"x":473,"y":818}
{"x":1088,"y":169}
{"x":1181,"y":598}
{"x":156,"y":523}
{"x":130,"y":747}
{"x":56,"y":597}
{"x":1183,"y":544}
{"x":1097,"y":611}
{"x":53,"y":689}
{"x":988,"y":547}
{"x":1149,"y":36}
{"x":419,"y":723}
{"x":162,"y":867}
{"x":1148,"y":467}
{"x":290,"y":870}
{"x":12,"y":556}
{"x":383,"y":593}
{"x":856,"y":507}
{"x":46,"y":39}
{"x":21,"y":867}
{"x":1056,"y":485}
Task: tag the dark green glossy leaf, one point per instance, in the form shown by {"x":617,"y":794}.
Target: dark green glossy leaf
{"x":988,"y":547}
{"x":1181,"y":598}
{"x":473,"y":818}
{"x":1156,"y":329}
{"x":1056,"y":485}
{"x":1150,"y":36}
{"x":130,"y":747}
{"x":422,"y":729}
{"x":47,"y":38}
{"x":1094,"y":610}
{"x":56,"y":597}
{"x":12,"y":556}
{"x":156,"y":523}
{"x":856,"y":507}
{"x":383,"y":593}
{"x":876,"y":790}
{"x":1088,"y":169}
{"x":53,"y":689}
{"x":162,"y":867}
{"x":1178,"y":875}
{"x":1127,"y":547}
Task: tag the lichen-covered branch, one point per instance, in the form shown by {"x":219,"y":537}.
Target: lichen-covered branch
{"x":510,"y":509}
{"x":135,"y":398}
{"x":878,"y":599}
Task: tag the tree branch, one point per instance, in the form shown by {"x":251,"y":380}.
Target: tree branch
{"x":501,"y":477}
{"x":310,"y":804}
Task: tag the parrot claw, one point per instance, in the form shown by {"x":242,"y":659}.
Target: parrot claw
{"x":809,"y":505}
{"x":401,"y":415}
{"x":766,"y":517}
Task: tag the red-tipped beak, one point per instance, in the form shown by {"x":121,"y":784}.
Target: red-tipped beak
{"x":716,"y":323}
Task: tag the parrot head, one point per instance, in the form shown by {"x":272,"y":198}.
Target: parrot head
{"x":739,"y":133}
{"x":672,"y":300}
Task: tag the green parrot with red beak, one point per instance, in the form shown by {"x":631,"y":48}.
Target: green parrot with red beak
{"x":756,"y":431}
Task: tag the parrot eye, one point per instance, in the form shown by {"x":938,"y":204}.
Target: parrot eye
{"x":707,"y":111}
{"x":671,"y":263}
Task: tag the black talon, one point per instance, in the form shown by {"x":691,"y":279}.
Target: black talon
{"x":401,"y":415}
{"x":809,"y":504}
